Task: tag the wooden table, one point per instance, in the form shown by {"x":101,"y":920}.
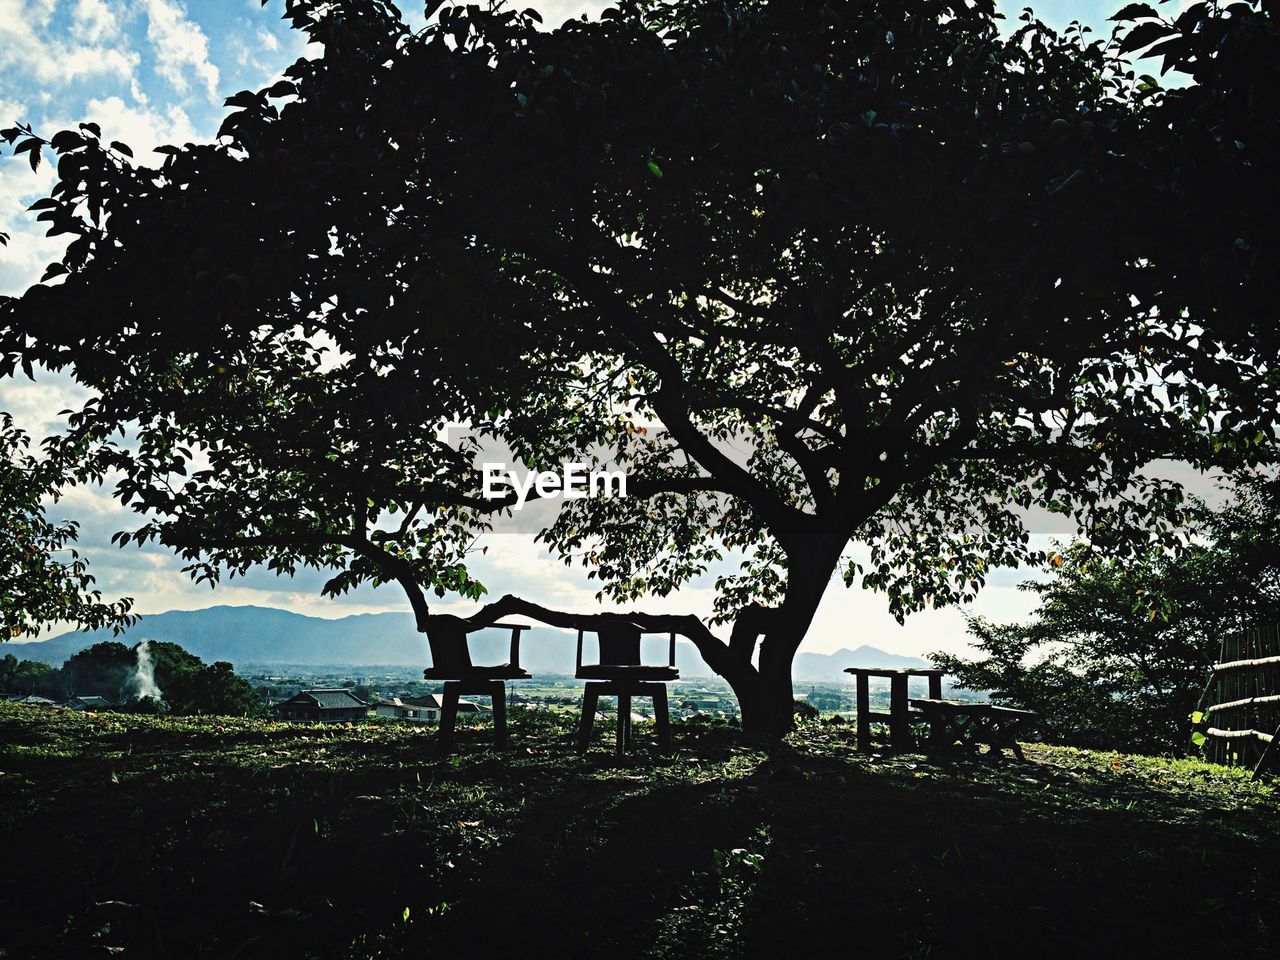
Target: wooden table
{"x":898,"y":717}
{"x":964,"y":724}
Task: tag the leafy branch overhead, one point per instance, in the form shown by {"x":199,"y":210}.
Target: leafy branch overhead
{"x":814,"y":273}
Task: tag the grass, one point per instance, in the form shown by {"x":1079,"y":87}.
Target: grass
{"x":215,"y":837}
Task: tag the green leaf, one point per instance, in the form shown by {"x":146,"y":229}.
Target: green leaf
{"x":54,"y":270}
{"x":66,"y":140}
{"x":1134,"y":11}
{"x":245,"y":98}
{"x":1143,"y":35}
{"x":406,"y":914}
{"x":654,"y":169}
{"x":1197,"y":716}
{"x":1199,"y":739}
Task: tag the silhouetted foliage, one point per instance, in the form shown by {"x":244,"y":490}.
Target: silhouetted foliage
{"x":1118,"y":653}
{"x":29,"y":677}
{"x":867,"y":243}
{"x":105,"y":669}
{"x":804,"y":710}
{"x":43,"y":579}
{"x":109,"y":669}
{"x":216,"y":690}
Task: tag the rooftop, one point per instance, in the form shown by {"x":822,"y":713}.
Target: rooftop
{"x":339,"y":699}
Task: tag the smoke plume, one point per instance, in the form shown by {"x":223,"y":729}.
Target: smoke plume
{"x":144,"y":678}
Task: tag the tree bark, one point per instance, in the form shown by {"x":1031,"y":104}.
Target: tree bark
{"x":807,"y":577}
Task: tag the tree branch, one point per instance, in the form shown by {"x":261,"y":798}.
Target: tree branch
{"x":714,"y":651}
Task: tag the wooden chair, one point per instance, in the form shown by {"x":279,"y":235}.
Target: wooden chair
{"x":451,"y":662}
{"x":620,"y":673}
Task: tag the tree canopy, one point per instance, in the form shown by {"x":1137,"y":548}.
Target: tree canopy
{"x":813,"y":273}
{"x":43,"y":579}
{"x":109,"y":669}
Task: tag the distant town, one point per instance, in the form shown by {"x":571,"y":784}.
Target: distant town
{"x":345,"y":694}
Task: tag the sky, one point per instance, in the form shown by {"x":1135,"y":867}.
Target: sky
{"x":153,"y":72}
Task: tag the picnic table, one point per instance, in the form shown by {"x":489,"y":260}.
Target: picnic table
{"x":899,"y":716}
{"x":965,"y":724}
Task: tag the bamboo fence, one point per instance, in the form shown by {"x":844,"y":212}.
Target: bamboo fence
{"x":1243,"y":715}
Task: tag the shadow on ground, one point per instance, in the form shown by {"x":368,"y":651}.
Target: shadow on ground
{"x":148,"y":838}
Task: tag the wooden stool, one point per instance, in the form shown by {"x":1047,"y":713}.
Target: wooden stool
{"x":624,"y":690}
{"x":620,"y":674}
{"x":453,"y":689}
{"x":451,"y":662}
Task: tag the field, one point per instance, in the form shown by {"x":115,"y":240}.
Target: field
{"x":138,"y":837}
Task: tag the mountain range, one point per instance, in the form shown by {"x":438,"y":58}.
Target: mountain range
{"x":263,"y":635}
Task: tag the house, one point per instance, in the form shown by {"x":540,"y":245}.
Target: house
{"x":33,"y":701}
{"x":88,"y":703}
{"x":420,"y":709}
{"x":323,"y":706}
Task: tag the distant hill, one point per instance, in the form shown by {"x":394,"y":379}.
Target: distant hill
{"x":244,"y":635}
{"x":831,"y":666}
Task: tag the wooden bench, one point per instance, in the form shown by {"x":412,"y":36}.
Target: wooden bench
{"x":898,"y":718}
{"x":953,"y":722}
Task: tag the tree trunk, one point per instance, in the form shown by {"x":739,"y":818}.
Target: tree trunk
{"x":765,"y":693}
{"x":778,"y":715}
{"x":747,"y":686}
{"x":768,"y":698}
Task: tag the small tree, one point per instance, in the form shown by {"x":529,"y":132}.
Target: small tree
{"x":215,"y":689}
{"x":29,"y":677}
{"x":867,"y":244}
{"x":105,"y":669}
{"x":43,"y":579}
{"x":1118,"y":653}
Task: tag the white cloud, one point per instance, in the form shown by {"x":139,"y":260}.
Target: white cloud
{"x":180,"y":46}
{"x":85,"y":62}
{"x":24,"y":47}
{"x":239,"y":51}
{"x":35,"y":405}
{"x":94,"y":21}
{"x":29,"y":251}
{"x":142,"y":128}
{"x":38,"y":11}
{"x":267,"y":40}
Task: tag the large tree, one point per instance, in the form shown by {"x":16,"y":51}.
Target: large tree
{"x":814,"y":273}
